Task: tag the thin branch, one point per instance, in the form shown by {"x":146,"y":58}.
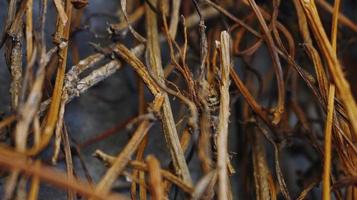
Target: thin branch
{"x":328,"y":137}
{"x":169,"y":126}
{"x":222,"y":130}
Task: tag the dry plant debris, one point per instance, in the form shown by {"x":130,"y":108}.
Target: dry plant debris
{"x":252,"y":99}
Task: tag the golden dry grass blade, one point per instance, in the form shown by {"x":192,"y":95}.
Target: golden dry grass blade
{"x":334,"y":26}
{"x":11,"y":161}
{"x":319,"y":69}
{"x":64,"y":31}
{"x":328,"y":142}
{"x":138,"y":66}
{"x":123,"y":158}
{"x":143,"y":166}
{"x":61,"y":11}
{"x":35,"y":184}
{"x":303,"y":26}
{"x":341,"y":17}
{"x":335,"y":68}
{"x":155,"y":179}
{"x":284,"y":65}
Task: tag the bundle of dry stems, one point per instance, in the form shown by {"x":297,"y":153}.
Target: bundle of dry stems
{"x":273,"y":114}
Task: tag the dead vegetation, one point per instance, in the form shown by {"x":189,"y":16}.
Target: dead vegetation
{"x":200,"y":55}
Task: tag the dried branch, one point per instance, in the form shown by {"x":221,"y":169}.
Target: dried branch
{"x":169,"y":126}
{"x":334,"y":28}
{"x":11,"y":160}
{"x":261,"y":170}
{"x":192,"y":63}
{"x":341,"y":17}
{"x":328,"y":151}
{"x":334,"y":65}
{"x":143,"y":166}
{"x":155,"y":180}
{"x":279,"y":110}
{"x":62,"y":32}
{"x":123,"y":157}
{"x":222,"y":129}
{"x":174,"y":18}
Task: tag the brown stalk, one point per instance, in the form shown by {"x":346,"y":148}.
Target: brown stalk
{"x":319,"y":69}
{"x":62,"y":32}
{"x":174,"y":18}
{"x":29,"y":41}
{"x":328,"y":149}
{"x":334,"y":65}
{"x":341,"y":17}
{"x":11,"y":161}
{"x":135,"y":34}
{"x":61,"y":12}
{"x":185,"y":68}
{"x":139,"y":165}
{"x":278,"y":169}
{"x":261,"y":170}
{"x":204,"y":185}
{"x":185,"y":143}
{"x":123,"y":157}
{"x":222,"y":129}
{"x":29,"y":109}
{"x":334,"y":26}
{"x":16,"y":23}
{"x":69,"y":160}
{"x":73,"y":86}
{"x":279,"y":110}
{"x":250,"y":99}
{"x":138,"y":66}
{"x":155,"y":179}
{"x":341,"y":126}
{"x":35,"y":184}
{"x":9,"y":19}
{"x":31,"y":52}
{"x":90,"y":61}
{"x":303,"y":26}
{"x":13,"y":55}
{"x":141,"y":149}
{"x":193,"y":119}
{"x":169,"y":126}
{"x":308,"y":189}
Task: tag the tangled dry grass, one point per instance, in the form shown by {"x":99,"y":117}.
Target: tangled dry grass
{"x":275,"y":69}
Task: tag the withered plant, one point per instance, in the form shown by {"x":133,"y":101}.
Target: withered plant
{"x":252,"y":99}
